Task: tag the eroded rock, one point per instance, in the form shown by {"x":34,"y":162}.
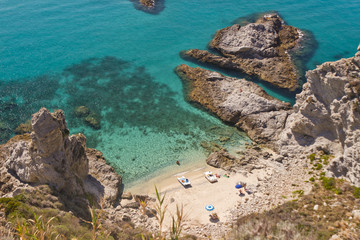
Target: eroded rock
{"x":326,"y":116}
{"x":50,"y":156}
{"x":259,"y":49}
{"x":235,"y":101}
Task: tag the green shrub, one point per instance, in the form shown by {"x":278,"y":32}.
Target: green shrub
{"x":325,"y":159}
{"x":318,"y":166}
{"x":298,"y":192}
{"x":312,"y":179}
{"x":312,"y":157}
{"x":15,"y":206}
{"x":356,"y":192}
{"x":328,"y":183}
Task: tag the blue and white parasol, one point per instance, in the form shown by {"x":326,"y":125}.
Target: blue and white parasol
{"x":209,"y":207}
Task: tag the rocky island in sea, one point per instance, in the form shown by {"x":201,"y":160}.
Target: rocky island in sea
{"x":149,"y":6}
{"x":292,"y":168}
{"x":260,"y":49}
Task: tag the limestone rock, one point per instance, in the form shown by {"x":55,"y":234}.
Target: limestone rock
{"x":220,"y":159}
{"x":24,"y":128}
{"x":50,"y":156}
{"x":103,"y":181}
{"x":148,"y":3}
{"x":258,"y":49}
{"x":134,"y":205}
{"x":235,"y":101}
{"x":127,"y":195}
{"x":149,"y":6}
{"x":326,"y":115}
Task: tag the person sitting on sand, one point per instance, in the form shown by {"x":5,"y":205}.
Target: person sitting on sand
{"x":242,"y":191}
{"x":214,"y":216}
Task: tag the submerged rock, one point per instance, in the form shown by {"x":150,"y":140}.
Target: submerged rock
{"x":81,"y":111}
{"x":259,"y":49}
{"x":92,"y":121}
{"x":235,"y":101}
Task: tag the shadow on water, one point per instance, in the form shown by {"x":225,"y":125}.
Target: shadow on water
{"x":280,"y":93}
{"x":159,"y":7}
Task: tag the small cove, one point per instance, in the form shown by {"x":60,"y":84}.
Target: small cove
{"x":119,"y":62}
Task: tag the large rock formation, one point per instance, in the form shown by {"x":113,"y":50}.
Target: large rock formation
{"x":327,"y":117}
{"x":235,"y":101}
{"x":50,"y":156}
{"x":259,"y":49}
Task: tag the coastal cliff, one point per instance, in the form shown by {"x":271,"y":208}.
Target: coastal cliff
{"x":259,"y":49}
{"x":327,"y":117}
{"x":50,"y":156}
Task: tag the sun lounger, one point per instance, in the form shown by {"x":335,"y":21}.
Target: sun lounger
{"x":184,"y":181}
{"x":210,"y":176}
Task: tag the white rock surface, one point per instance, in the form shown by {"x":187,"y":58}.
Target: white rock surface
{"x":327,"y":117}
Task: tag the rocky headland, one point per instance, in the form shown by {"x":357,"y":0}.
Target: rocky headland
{"x":260,"y":49}
{"x":49,"y":155}
{"x":235,"y":101}
{"x":324,"y":118}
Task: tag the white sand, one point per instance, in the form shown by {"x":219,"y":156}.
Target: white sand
{"x":222,"y":194}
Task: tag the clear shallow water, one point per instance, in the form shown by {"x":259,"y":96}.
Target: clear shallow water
{"x":145,"y":123}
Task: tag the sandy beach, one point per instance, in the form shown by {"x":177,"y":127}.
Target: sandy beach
{"x":222,"y":194}
{"x":273,"y":183}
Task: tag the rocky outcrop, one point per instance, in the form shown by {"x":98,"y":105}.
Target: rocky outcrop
{"x":50,"y":156}
{"x":149,"y":6}
{"x":327,"y":117}
{"x":148,"y":3}
{"x":235,"y":101}
{"x":259,"y":49}
{"x":102,"y":180}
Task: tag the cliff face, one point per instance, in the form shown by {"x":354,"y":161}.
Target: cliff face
{"x":50,"y":156}
{"x":327,"y":116}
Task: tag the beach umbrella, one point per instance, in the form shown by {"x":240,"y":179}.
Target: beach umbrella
{"x":238,"y":186}
{"x":209,"y":207}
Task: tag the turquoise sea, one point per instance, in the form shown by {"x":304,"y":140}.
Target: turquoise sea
{"x":119,"y":62}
